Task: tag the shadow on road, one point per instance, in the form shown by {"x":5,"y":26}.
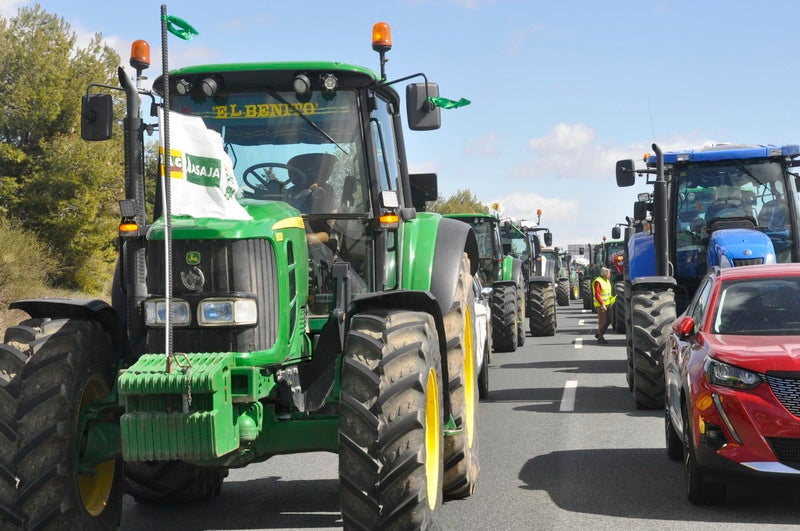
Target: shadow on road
{"x":264,"y":503}
{"x":644,"y":483}
{"x":574,"y":366}
{"x":610,"y":399}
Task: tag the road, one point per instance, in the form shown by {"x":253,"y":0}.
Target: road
{"x":561,"y":447}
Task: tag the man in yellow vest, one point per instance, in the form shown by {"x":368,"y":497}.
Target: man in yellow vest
{"x":603,"y":300}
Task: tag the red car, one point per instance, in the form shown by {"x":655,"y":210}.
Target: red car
{"x":732,"y":370}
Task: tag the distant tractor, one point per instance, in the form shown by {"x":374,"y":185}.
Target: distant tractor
{"x":718,"y":206}
{"x":501,"y":271}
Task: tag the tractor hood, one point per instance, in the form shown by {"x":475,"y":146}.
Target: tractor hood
{"x":737,"y":247}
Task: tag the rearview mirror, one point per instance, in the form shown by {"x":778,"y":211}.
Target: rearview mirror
{"x":97,"y":115}
{"x":615,"y":233}
{"x":423,"y":115}
{"x":639,"y":210}
{"x":424,"y":187}
{"x":683,"y":326}
{"x":626,"y":173}
{"x":548,"y":239}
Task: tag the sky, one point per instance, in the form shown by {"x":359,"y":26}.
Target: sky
{"x":560,"y":90}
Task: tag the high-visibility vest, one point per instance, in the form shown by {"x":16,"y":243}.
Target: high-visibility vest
{"x":605,"y":293}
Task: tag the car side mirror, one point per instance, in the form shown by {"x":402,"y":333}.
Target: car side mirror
{"x":683,"y":326}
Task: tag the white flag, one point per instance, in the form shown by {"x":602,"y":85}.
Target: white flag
{"x":203,"y":183}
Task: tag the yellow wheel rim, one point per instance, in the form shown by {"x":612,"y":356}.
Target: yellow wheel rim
{"x":469,"y":376}
{"x":95,"y":487}
{"x":433,"y":432}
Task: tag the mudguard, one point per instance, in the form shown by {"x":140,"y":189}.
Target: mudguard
{"x":432,"y":248}
{"x":642,"y":255}
{"x":726,"y":247}
{"x":507,"y":268}
{"x":90,"y":309}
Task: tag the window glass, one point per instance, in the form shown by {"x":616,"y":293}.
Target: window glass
{"x":382,"y":129}
{"x":768,"y":306}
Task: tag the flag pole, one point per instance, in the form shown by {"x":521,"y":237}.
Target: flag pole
{"x":167,"y":192}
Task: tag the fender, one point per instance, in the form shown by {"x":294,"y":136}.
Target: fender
{"x":516,"y":270}
{"x":88,"y":309}
{"x":726,"y":246}
{"x":642,"y":254}
{"x":507,"y":268}
{"x":412,"y":300}
{"x":432,"y":247}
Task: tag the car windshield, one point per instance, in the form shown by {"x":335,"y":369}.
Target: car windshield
{"x":286,"y":149}
{"x":751,"y":192}
{"x":764,"y":306}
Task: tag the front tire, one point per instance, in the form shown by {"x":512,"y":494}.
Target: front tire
{"x":699,"y":490}
{"x":461,"y":468}
{"x":652,"y":313}
{"x":562,"y":292}
{"x":58,"y":366}
{"x":586,"y":293}
{"x":391,"y":426}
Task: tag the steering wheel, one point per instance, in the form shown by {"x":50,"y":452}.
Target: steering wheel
{"x":262,"y":186}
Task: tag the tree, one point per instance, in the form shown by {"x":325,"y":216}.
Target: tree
{"x":460,"y":202}
{"x":61,"y":188}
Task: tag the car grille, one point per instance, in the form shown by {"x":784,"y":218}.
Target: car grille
{"x":785,"y":449}
{"x":788,"y":392}
{"x":747,"y":261}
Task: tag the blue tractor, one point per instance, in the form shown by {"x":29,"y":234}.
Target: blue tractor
{"x":725,"y":206}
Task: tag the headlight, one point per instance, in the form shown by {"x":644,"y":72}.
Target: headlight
{"x":770,"y":259}
{"x":155,"y":312}
{"x":719,"y":373}
{"x":218,"y":312}
{"x":724,"y":262}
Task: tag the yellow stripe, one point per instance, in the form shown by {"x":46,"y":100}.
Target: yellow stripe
{"x":290,"y":223}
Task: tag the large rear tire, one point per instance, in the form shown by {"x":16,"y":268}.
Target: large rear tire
{"x":50,"y":369}
{"x":562,"y":292}
{"x":586,"y":293}
{"x":391,"y":425}
{"x":521,"y":310}
{"x":172,"y":481}
{"x":652,"y":313}
{"x":504,"y":318}
{"x":542,"y":309}
{"x":461,"y":468}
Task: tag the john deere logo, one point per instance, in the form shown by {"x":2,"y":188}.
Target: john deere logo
{"x":193,"y":258}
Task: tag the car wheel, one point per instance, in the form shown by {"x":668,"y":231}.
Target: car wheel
{"x":698,"y":489}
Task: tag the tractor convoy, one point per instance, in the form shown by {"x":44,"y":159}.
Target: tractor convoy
{"x":280,"y":288}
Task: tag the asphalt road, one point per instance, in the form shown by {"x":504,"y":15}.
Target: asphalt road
{"x":561,"y":447}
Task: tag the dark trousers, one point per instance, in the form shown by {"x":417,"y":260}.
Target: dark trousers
{"x":602,"y":320}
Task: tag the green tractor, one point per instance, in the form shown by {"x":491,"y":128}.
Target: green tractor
{"x":500,"y":269}
{"x":601,"y":255}
{"x":332,"y":317}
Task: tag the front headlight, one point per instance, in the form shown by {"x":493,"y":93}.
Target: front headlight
{"x":218,"y":312}
{"x":770,"y":259}
{"x":719,"y":373}
{"x":155,"y":312}
{"x":725,"y":262}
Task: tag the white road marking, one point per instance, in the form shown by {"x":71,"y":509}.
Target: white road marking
{"x":581,"y":322}
{"x":578,"y":342}
{"x":568,"y":398}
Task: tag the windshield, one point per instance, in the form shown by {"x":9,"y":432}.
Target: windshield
{"x":307,"y":153}
{"x":518,"y":243}
{"x":751,"y":192}
{"x":483,"y":232}
{"x":764,"y":306}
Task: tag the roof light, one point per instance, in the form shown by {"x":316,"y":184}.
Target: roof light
{"x":775,"y":152}
{"x":140,"y":54}
{"x":301,"y":84}
{"x":210,"y":86}
{"x":182,"y":87}
{"x":684,"y":157}
{"x":381,"y":37}
{"x":329,"y":81}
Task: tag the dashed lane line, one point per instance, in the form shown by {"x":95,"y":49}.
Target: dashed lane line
{"x":568,"y":398}
{"x":578,"y":342}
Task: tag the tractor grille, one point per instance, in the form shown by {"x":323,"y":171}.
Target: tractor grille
{"x":241,"y":268}
{"x":786,"y":450}
{"x":788,"y":392}
{"x":747,"y":261}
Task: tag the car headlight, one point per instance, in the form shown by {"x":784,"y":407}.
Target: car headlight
{"x":218,"y":312}
{"x":155,"y":312}
{"x":719,"y":373}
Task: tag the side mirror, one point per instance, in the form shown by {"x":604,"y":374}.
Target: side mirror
{"x":506,"y":248}
{"x":581,"y":251}
{"x":548,"y":239}
{"x":97,"y":115}
{"x":615,"y":233}
{"x":424,"y":188}
{"x":626,"y":173}
{"x":639,"y":210}
{"x":683,"y":326}
{"x":423,"y":115}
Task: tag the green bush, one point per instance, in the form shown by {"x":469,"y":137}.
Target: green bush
{"x":26,"y":266}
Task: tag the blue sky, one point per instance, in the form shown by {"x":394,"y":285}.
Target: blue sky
{"x":559,"y":90}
